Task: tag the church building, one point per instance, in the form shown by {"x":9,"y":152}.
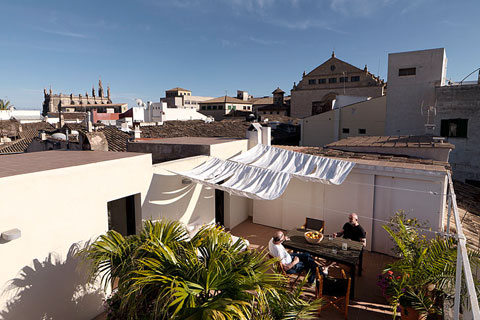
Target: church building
{"x":78,"y":103}
{"x":316,"y":91}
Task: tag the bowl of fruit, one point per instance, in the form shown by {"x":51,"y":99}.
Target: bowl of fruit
{"x":313,"y":237}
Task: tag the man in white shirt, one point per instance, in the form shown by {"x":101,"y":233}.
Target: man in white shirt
{"x":294,"y":262}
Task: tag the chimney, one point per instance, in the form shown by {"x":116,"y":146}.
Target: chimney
{"x":89,"y":121}
{"x":137,"y":132}
{"x":42,"y":135}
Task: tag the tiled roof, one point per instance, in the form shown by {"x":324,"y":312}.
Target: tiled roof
{"x":170,"y":129}
{"x":392,"y":142}
{"x":374,"y":158}
{"x":17,"y":146}
{"x":29,"y":131}
{"x":9,"y":128}
{"x":117,"y":139}
{"x":225,"y":99}
{"x":278,"y":90}
{"x":178,"y":89}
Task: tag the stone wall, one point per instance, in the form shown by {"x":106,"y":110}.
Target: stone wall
{"x":462,"y":102}
{"x":301,"y":102}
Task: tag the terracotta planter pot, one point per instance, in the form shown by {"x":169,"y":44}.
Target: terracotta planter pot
{"x":408,"y":313}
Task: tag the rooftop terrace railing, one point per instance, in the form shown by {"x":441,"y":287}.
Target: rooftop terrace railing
{"x":463,"y":263}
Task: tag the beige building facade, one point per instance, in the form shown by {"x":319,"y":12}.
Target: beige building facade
{"x":316,"y":91}
{"x":182,"y":99}
{"x":365,"y":118}
{"x":221,"y":106}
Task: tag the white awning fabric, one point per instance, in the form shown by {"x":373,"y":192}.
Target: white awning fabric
{"x":264,"y":172}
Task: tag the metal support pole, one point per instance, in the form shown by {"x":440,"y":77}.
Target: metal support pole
{"x":458,"y":285}
{"x":449,"y":215}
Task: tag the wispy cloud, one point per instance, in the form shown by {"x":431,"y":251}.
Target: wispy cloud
{"x":265,"y":42}
{"x":63,"y":33}
{"x":361,"y":8}
{"x":228,"y":43}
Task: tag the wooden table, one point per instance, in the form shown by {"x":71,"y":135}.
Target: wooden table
{"x":351,"y":257}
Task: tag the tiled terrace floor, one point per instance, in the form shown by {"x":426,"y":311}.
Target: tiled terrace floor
{"x":369,"y":302}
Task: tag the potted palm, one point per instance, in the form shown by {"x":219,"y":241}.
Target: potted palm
{"x":163,"y":274}
{"x":418,"y":284}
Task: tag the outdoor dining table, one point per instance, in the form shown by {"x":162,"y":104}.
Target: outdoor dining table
{"x":330,"y":250}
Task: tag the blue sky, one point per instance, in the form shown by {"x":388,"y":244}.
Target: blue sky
{"x":141,"y":48}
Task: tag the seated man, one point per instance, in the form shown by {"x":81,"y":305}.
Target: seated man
{"x":292,"y":263}
{"x":353,"y":230}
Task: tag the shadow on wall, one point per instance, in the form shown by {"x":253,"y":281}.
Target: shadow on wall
{"x":169,"y":198}
{"x":52,"y":289}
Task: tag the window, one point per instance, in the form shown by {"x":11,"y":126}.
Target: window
{"x":454,"y":128}
{"x":332,"y":80}
{"x":343,"y":79}
{"x":362,"y":131}
{"x":203,"y":108}
{"x":345,"y":130}
{"x":209,"y":107}
{"x":220,"y":107}
{"x":229,"y":107}
{"x":407,"y":72}
{"x":322,"y":81}
{"x":244,"y":108}
{"x":312,"y":81}
{"x":355,"y":79}
{"x":214,"y":108}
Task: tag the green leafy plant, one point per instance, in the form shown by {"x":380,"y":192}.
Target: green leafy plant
{"x":162,"y":274}
{"x":5,"y":104}
{"x":424,"y":276}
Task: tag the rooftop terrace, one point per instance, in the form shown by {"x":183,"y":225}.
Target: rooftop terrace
{"x":368,"y":303}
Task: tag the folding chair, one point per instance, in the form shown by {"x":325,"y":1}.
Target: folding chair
{"x":290,"y":276}
{"x":314,"y":224}
{"x":335,"y":291}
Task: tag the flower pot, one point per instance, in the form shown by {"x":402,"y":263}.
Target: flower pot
{"x":408,"y":313}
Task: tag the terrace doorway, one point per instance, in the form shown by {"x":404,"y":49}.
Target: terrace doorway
{"x":219,"y":207}
{"x":121,"y":215}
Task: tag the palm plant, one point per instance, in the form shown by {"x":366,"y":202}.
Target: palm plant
{"x":424,"y":276}
{"x":5,"y":104}
{"x":164,"y":275}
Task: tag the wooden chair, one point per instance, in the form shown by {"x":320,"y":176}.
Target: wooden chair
{"x":335,"y":292}
{"x":314,"y":224}
{"x":292,"y":277}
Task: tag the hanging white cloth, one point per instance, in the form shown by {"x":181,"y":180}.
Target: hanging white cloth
{"x":302,"y":166}
{"x":264,"y":172}
{"x":239,"y":179}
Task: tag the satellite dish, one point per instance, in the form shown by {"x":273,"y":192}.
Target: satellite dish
{"x":139,"y":102}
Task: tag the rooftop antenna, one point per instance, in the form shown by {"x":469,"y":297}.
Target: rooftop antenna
{"x":461,"y":82}
{"x":430,"y":112}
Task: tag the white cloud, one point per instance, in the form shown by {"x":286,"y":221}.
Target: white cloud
{"x":265,"y":42}
{"x":63,"y":33}
{"x":363,"y":8}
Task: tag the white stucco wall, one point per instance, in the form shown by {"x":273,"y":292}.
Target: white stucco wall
{"x":362,"y":193}
{"x":237,"y":210}
{"x":228,"y":149}
{"x":169,"y":198}
{"x":406,"y":94}
{"x":56,"y":210}
{"x":161,"y":113}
